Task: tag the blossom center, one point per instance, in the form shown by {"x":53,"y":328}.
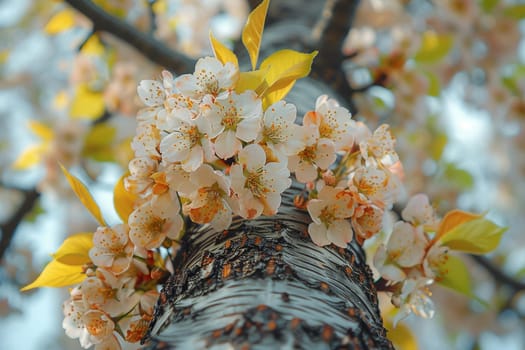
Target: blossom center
{"x":327,"y":215}
{"x":308,"y":153}
{"x":137,"y":331}
{"x":231,"y":120}
{"x":155,"y":224}
{"x":254,"y":182}
{"x":96,"y":327}
{"x":273,"y":134}
{"x":325,"y":130}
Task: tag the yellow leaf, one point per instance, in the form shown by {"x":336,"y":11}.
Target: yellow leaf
{"x":478,"y":236}
{"x":123,"y":200}
{"x":87,"y":104}
{"x":253,"y":80}
{"x":30,"y":157}
{"x":61,"y":21}
{"x":83,"y":194}
{"x":115,"y":8}
{"x":276,"y":95}
{"x":98,"y":142}
{"x":253,"y":30}
{"x":56,"y":274}
{"x":41,"y":130}
{"x":4,"y":55}
{"x":75,"y":249}
{"x":452,"y":219}
{"x":284,"y":68}
{"x":123,"y":152}
{"x":222,"y":53}
{"x":434,"y":47}
{"x":401,"y":336}
{"x":93,"y":46}
{"x":60,"y":100}
{"x":160,"y":7}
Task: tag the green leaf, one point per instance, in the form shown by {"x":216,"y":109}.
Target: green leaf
{"x":511,"y":84}
{"x":515,"y":11}
{"x":434,"y":85}
{"x":520,"y":274}
{"x":478,"y":236}
{"x":83,"y":194}
{"x":98,"y":142}
{"x":222,"y":53}
{"x":459,"y":177}
{"x":37,"y":210}
{"x":454,"y":275}
{"x":75,"y":249}
{"x":253,"y":30}
{"x":488,"y":5}
{"x":434,"y":47}
{"x":115,"y":8}
{"x":56,"y":274}
{"x":438,"y":144}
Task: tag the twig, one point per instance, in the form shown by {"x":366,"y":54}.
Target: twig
{"x":331,"y":30}
{"x":329,"y":35}
{"x":86,"y":39}
{"x":9,"y":227}
{"x":146,"y":44}
{"x":106,"y":116}
{"x":498,"y":274}
{"x":152,"y":17}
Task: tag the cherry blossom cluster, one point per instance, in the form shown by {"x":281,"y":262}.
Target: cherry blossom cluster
{"x":208,"y":152}
{"x":205,"y":151}
{"x":412,"y":259}
{"x":114,"y":303}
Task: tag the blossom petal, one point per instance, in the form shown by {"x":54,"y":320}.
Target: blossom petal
{"x":151,"y":92}
{"x":340,"y":233}
{"x":318,"y":234}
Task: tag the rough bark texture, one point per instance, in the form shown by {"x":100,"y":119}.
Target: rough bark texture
{"x":263,"y":284}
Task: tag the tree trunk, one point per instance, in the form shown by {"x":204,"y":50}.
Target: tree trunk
{"x":263,"y":284}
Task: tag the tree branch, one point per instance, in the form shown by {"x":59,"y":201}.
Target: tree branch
{"x":498,"y":274}
{"x":146,"y":44}
{"x":329,"y":35}
{"x":331,"y":30}
{"x":9,"y":227}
